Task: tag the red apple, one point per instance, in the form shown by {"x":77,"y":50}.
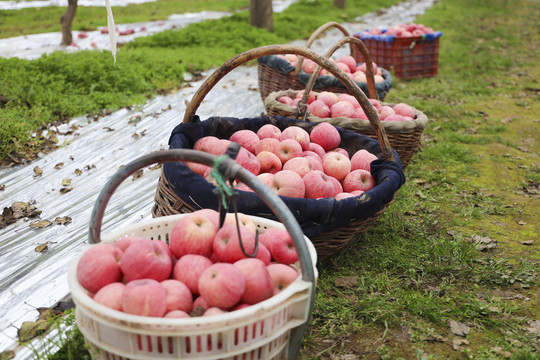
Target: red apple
{"x":266,"y":178}
{"x":270,"y":162}
{"x":344,"y":195}
{"x":192,"y":234}
{"x":300,"y":165}
{"x":269,"y":131}
{"x":397,"y":117}
{"x":266,"y":144}
{"x":258,"y":284}
{"x":124,"y":242}
{"x":376,"y":104}
{"x":111,"y":295}
{"x":285,"y":100}
{"x":281,"y":276}
{"x":99,"y":266}
{"x":280,"y":244}
{"x":146,"y":259}
{"x":404,"y":110}
{"x":247,"y":138}
{"x":189,"y":268}
{"x":325,"y":135}
{"x":336,"y":185}
{"x":179,"y":296}
{"x":349,"y":98}
{"x":288,"y":183}
{"x":249,"y":161}
{"x":300,"y":95}
{"x":176,"y":314}
{"x":222,"y":285}
{"x":349,"y":61}
{"x":227,"y":243}
{"x":288,"y":149}
{"x":385,"y":112}
{"x":319,"y":109}
{"x":308,"y":66}
{"x":342,"y":109}
{"x":199,"y":306}
{"x":336,"y":165}
{"x":327,"y":97}
{"x":359,"y":180}
{"x":318,"y":149}
{"x":318,"y":185}
{"x":210,"y":144}
{"x":362,"y":160}
{"x":315,"y":162}
{"x":313,"y":154}
{"x":145,"y":297}
{"x":298,"y":134}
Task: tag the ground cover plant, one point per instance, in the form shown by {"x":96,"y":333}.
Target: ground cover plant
{"x":66,"y":85}
{"x":450,"y":270}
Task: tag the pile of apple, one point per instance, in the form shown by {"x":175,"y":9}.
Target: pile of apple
{"x":202,"y":271}
{"x":347,"y":63}
{"x":330,"y":105}
{"x":402,"y":31}
{"x":295,"y":163}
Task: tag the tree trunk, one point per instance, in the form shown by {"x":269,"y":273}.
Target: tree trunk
{"x":340,"y":3}
{"x":261,"y":14}
{"x":66,"y":20}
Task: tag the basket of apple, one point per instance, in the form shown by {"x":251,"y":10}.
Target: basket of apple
{"x":203,"y":285}
{"x":289,"y":71}
{"x":335,"y":181}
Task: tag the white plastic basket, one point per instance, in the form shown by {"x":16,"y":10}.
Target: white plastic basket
{"x":262,"y":331}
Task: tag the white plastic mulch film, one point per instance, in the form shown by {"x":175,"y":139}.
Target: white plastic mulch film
{"x":112,"y":29}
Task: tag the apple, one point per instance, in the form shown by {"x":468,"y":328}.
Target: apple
{"x":211,"y":214}
{"x":344,"y":195}
{"x":359,"y":76}
{"x":327,"y":97}
{"x":315,"y":162}
{"x":360,"y":114}
{"x":336,"y":165}
{"x":210,"y":144}
{"x":318,"y":185}
{"x":222,"y":285}
{"x":288,"y":149}
{"x":349,"y":61}
{"x":318,"y":149}
{"x":298,"y":134}
{"x":99,"y":266}
{"x":124,"y":242}
{"x":111,"y":295}
{"x":280,"y":244}
{"x":199,"y":306}
{"x":336,"y":186}
{"x":285,"y":100}
{"x":144,"y":297}
{"x":342,"y":109}
{"x":281,"y":276}
{"x":266,"y":144}
{"x":213,"y":311}
{"x":176,"y":314}
{"x":197,"y":168}
{"x":247,"y":138}
{"x":385,"y":112}
{"x":291,"y":57}
{"x":300,"y":95}
{"x":308,"y":66}
{"x":288,"y":183}
{"x":243,"y":220}
{"x":319,"y":109}
{"x":325,"y":135}
{"x":397,"y":117}
{"x":270,"y":162}
{"x":258,"y":284}
{"x":343,"y":67}
{"x":146,"y":259}
{"x":362,"y":160}
{"x":192,"y":234}
{"x":346,"y":97}
{"x":227,"y":243}
{"x":300,"y":165}
{"x":249,"y":161}
{"x":404,"y":110}
{"x":179,"y":296}
{"x":376,"y":104}
{"x":308,"y":153}
{"x":359,"y":179}
{"x":266,"y":178}
{"x":378,"y":79}
{"x":339,"y":150}
{"x":189,"y":268}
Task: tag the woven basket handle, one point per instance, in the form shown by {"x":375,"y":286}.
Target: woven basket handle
{"x":370,"y":75}
{"x":256,"y":53}
{"x":316,"y":34}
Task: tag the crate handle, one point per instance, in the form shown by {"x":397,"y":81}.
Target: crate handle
{"x":230,"y":169}
{"x":255,"y":53}
{"x":372,"y":89}
{"x":316,"y":34}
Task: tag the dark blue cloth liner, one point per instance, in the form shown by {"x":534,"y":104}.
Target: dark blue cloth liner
{"x":315,"y":216}
{"x":390,"y":38}
{"x":285,"y":67}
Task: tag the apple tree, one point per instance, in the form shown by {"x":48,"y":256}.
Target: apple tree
{"x":340,"y":3}
{"x":261,"y":14}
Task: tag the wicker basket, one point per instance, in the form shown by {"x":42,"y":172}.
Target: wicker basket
{"x":404,"y":136}
{"x":330,"y":224}
{"x":280,"y":75}
{"x":272,"y":329}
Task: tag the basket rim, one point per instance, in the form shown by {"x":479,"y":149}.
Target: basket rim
{"x":241,"y":316}
{"x":418,"y":123}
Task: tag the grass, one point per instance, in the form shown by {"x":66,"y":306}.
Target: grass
{"x":417,"y":269}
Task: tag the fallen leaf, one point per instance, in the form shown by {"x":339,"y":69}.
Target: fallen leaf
{"x":78,"y":172}
{"x":42,"y":247}
{"x":527,"y":242}
{"x":523,"y":149}
{"x":506,"y":120}
{"x":89,"y":167}
{"x":155,"y":167}
{"x":347,"y":281}
{"x":138,"y":174}
{"x":458,"y":328}
{"x":37,"y":171}
{"x":65,"y":190}
{"x":534,"y":327}
{"x":522,"y":222}
{"x":63,"y":220}
{"x":7,"y":355}
{"x":458,"y":343}
{"x":40,"y":224}
{"x":108,"y":128}
{"x":31,"y":329}
{"x":66,"y":182}
{"x":59,"y":165}
{"x":483,"y":242}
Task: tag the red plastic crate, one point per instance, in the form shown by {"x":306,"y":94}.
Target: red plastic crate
{"x":407,"y":58}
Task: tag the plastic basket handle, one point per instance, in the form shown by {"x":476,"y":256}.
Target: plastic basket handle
{"x":316,"y":34}
{"x":255,"y":53}
{"x":230,"y":169}
{"x":369,"y":70}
